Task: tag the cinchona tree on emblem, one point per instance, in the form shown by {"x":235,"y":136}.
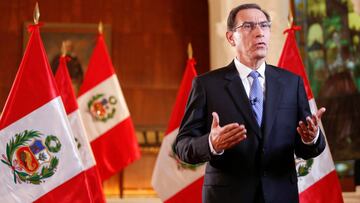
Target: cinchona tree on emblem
{"x":30,"y":156}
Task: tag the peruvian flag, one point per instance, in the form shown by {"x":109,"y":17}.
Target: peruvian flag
{"x":64,"y":85}
{"x":39,"y":158}
{"x":319,"y":183}
{"x":174,"y":180}
{"x":106,"y":116}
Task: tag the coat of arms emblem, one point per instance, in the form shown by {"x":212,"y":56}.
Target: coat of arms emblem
{"x":30,"y":157}
{"x":303,"y":167}
{"x":181,"y":165}
{"x":101,"y":107}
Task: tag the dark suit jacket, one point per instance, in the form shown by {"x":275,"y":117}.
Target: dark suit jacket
{"x":265,"y":159}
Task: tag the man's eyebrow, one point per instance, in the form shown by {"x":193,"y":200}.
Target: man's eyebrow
{"x":264,"y":21}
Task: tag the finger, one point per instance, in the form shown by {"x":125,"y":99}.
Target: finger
{"x":303,"y":135}
{"x":229,"y":127}
{"x":298,"y":129}
{"x":310,"y":123}
{"x":215,"y":121}
{"x":241,"y":135}
{"x":320,"y":112}
{"x":234,"y":135}
{"x":302,"y":126}
{"x":315,"y":119}
{"x":316,"y":123}
{"x":307,"y":135}
{"x":235,"y":140}
{"x":231,"y":130}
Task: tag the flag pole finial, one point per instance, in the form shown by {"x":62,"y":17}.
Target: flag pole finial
{"x":100,"y":27}
{"x":36,"y":13}
{"x":190,"y":51}
{"x":63,"y":49}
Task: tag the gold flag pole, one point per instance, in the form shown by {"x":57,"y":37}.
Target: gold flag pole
{"x":291,"y":14}
{"x":190,"y":51}
{"x":100,"y":27}
{"x":63,"y":49}
{"x":36,"y":13}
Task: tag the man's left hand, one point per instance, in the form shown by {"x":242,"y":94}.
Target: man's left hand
{"x":309,"y":130}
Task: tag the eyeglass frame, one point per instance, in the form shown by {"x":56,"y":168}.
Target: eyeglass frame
{"x":253,"y":25}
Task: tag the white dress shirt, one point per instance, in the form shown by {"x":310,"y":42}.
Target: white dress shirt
{"x":246,"y":80}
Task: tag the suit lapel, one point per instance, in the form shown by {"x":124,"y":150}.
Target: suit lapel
{"x":273,"y":94}
{"x":237,"y":91}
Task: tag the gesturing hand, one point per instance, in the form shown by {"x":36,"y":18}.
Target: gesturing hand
{"x":227,"y":136}
{"x":308,"y":132}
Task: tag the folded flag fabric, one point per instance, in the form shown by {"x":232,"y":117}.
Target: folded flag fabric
{"x":39,"y":158}
{"x":64,"y":85}
{"x":317,"y":178}
{"x":185,"y":179}
{"x":106,"y":116}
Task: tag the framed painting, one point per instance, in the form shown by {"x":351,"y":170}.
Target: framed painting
{"x":79,"y":40}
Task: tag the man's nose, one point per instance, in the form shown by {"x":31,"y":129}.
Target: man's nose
{"x":258,"y":31}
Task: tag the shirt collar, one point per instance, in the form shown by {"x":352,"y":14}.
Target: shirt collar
{"x":244,"y":71}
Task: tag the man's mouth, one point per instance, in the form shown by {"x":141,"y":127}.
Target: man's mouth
{"x":260,"y":45}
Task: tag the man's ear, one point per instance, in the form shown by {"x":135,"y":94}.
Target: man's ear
{"x":230,"y":37}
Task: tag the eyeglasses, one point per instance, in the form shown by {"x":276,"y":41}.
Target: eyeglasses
{"x":249,"y":26}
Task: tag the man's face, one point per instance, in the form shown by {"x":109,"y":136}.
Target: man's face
{"x":251,"y":35}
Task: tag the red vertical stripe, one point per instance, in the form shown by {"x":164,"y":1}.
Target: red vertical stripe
{"x":94,"y":183}
{"x":100,"y":67}
{"x":290,"y":59}
{"x":327,"y":189}
{"x":34,"y":83}
{"x":115,"y":149}
{"x":66,"y":191}
{"x":182,"y":96}
{"x":64,"y":83}
{"x":118,"y":147}
{"x":191,"y":193}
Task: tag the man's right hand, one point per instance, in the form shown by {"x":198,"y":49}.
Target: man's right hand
{"x":227,"y":136}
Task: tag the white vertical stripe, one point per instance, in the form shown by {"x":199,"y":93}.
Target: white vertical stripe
{"x":323,"y":164}
{"x":168,"y":179}
{"x":83,"y":144}
{"x":50,"y":119}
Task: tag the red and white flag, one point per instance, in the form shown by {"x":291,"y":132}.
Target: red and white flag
{"x":106,"y":116}
{"x":317,"y":178}
{"x":64,"y":85}
{"x":173,"y":180}
{"x":39,"y":158}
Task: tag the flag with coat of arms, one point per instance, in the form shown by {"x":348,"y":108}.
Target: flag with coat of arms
{"x":64,"y":85}
{"x":39,"y":158}
{"x":105,"y":115}
{"x":317,"y":178}
{"x":185,"y":179}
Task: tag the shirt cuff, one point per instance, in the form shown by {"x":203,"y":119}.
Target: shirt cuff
{"x":213,"y":152}
{"x":314,"y":140}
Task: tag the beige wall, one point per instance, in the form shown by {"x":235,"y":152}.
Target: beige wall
{"x":221,"y":52}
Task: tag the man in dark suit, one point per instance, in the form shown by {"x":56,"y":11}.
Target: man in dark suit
{"x":248,"y":119}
